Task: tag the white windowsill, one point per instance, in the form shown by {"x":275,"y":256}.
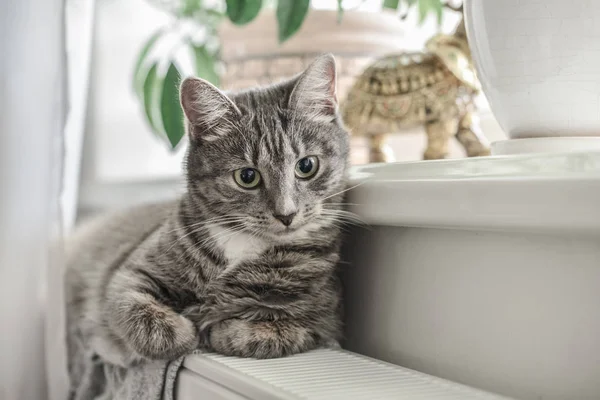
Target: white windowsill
{"x":545,"y":192}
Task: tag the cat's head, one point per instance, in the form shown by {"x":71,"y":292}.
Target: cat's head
{"x":269,"y":160}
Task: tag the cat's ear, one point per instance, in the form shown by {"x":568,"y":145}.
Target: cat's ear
{"x":315,"y":91}
{"x":208,"y":110}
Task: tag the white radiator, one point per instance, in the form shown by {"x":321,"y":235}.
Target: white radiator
{"x":317,"y":375}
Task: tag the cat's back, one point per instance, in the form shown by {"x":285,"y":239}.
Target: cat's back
{"x":105,"y":241}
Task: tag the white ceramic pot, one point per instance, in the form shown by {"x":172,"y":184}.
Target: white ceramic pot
{"x":539,"y":64}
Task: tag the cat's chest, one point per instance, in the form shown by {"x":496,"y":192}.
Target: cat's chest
{"x":238,"y":247}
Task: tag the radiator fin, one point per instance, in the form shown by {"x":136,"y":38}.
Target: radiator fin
{"x":338,"y":374}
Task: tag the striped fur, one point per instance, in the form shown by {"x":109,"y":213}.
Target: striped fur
{"x":215,"y":268}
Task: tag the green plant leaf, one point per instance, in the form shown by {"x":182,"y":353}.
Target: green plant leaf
{"x":189,"y":7}
{"x":139,"y":74}
{"x":391,"y":4}
{"x":340,"y":11}
{"x":428,"y":6}
{"x":290,"y":15}
{"x":439,"y":11}
{"x":423,"y":10}
{"x":205,"y":65}
{"x":241,"y":12}
{"x":150,"y":96}
{"x":170,"y":109}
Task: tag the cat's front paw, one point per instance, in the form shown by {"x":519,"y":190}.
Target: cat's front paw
{"x":161,"y":334}
{"x":260,"y":339}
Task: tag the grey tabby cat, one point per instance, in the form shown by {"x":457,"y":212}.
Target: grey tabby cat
{"x":244,"y":262}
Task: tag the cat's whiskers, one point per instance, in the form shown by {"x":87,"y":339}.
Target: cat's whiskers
{"x":196,"y":246}
{"x":253,"y":232}
{"x":225,"y":221}
{"x":221,"y":217}
{"x":194,"y":231}
{"x":199,"y":228}
{"x":215,"y":220}
{"x":227,"y":232}
{"x":345,"y":190}
{"x":334,"y":222}
{"x":344,"y":216}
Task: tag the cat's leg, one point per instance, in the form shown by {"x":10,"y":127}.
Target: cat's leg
{"x":273,"y":338}
{"x":150,"y":328}
{"x":261,"y":339}
{"x":261,"y":311}
{"x":264,"y":334}
{"x":245,"y":327}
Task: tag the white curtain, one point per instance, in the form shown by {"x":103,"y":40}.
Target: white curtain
{"x":32,"y":118}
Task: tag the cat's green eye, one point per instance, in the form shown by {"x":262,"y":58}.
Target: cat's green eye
{"x":307,"y":167}
{"x":247,"y":178}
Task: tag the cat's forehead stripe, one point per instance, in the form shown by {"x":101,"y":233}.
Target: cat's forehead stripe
{"x":270,"y":142}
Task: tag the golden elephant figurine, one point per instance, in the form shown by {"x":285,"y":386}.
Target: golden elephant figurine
{"x":435,"y":88}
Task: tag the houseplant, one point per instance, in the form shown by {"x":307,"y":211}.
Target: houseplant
{"x":539,"y":67}
{"x":193,"y":47}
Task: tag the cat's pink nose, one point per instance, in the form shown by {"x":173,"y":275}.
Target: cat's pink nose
{"x":286,"y":219}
